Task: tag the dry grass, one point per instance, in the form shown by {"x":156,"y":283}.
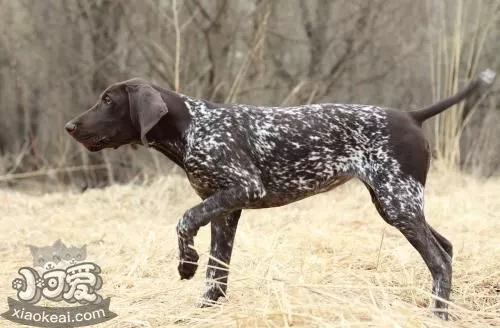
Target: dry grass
{"x":316,"y":263}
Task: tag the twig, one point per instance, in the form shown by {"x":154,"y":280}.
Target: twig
{"x":19,"y":157}
{"x":177,"y":45}
{"x":293,"y":93}
{"x":380,"y":248}
{"x":43,"y":172}
{"x":259,"y":40}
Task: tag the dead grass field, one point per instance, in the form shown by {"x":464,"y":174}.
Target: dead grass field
{"x":316,"y":263}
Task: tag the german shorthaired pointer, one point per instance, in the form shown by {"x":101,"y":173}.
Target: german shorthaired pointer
{"x":243,"y":156}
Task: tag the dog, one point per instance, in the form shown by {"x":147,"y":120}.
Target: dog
{"x":248,"y":157}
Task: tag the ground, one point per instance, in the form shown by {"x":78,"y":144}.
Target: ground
{"x":327,"y":261}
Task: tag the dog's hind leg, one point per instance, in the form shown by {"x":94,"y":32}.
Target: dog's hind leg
{"x":445,"y":243}
{"x":399,"y":200}
{"x":375,"y":201}
{"x":221,"y":247}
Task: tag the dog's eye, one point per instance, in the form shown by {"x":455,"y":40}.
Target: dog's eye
{"x":107,"y":100}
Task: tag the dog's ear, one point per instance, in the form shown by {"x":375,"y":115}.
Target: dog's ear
{"x":146,"y":108}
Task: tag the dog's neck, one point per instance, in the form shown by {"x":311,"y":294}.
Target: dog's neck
{"x":173,"y":150}
{"x":168,"y":136}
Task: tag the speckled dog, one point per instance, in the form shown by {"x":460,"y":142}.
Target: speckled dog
{"x":242,"y":156}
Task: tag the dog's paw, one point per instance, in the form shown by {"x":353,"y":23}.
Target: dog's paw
{"x":187,"y":270}
{"x":211,"y":296}
{"x":188,"y":264}
{"x":441,"y":315}
{"x":204,"y":303}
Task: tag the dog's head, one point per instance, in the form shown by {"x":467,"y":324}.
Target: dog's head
{"x":124,"y":114}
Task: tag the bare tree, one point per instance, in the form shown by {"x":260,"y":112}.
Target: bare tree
{"x":57,"y":56}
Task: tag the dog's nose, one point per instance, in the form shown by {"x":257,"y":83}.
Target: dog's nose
{"x":70,"y":127}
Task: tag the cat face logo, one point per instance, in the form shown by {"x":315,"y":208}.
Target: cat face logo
{"x":57,"y":256}
{"x":59,"y":273}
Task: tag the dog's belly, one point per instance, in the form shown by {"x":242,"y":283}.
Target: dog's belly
{"x":280,"y":197}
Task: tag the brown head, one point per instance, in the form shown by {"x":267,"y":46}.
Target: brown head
{"x":124,"y":114}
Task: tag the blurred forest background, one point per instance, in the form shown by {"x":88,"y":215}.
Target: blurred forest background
{"x":56,"y":56}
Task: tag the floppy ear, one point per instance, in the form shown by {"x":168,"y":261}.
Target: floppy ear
{"x":146,"y":108}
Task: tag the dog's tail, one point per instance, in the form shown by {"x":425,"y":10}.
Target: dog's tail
{"x":482,"y":82}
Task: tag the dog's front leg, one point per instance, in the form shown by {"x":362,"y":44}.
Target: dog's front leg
{"x":219,"y":205}
{"x":223,"y":232}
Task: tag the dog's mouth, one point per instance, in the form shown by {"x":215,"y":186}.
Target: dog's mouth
{"x":94,"y":143}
